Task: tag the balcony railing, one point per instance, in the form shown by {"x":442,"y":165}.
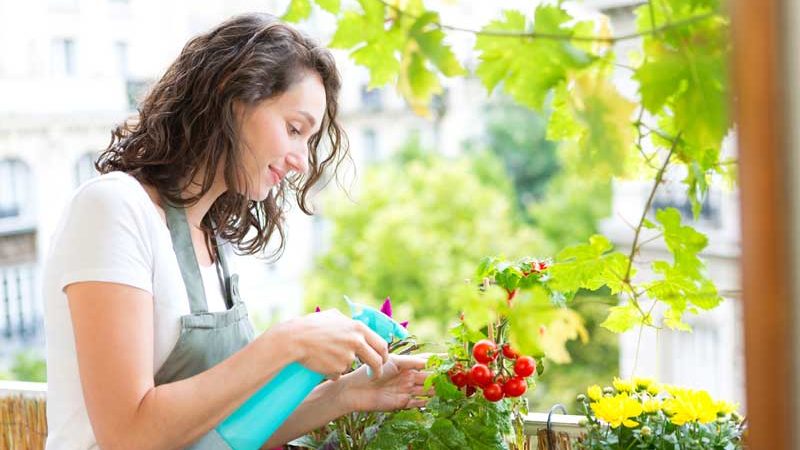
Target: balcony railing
{"x":23,"y":423}
{"x":20,"y":310}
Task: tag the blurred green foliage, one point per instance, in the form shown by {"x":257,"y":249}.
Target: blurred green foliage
{"x":28,"y":365}
{"x":417,"y":228}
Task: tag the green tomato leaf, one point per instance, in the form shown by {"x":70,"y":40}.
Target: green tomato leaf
{"x":445,"y":435}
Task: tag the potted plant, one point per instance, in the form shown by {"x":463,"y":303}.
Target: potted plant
{"x":481,"y":378}
{"x":642,"y":414}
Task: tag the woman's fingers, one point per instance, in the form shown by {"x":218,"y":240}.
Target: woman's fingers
{"x":370,"y":357}
{"x":375,"y":341}
{"x":420,"y":391}
{"x":409,"y":362}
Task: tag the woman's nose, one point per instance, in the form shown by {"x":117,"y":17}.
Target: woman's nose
{"x":297,"y":161}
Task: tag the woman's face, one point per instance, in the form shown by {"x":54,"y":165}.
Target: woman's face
{"x":275,"y":134}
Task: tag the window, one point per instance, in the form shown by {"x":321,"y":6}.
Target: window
{"x":15,"y":188}
{"x":136,"y":89}
{"x":20,"y":309}
{"x":371,"y":151}
{"x":121,"y":57}
{"x":84,"y":168}
{"x":371,"y":98}
{"x":63,"y":57}
{"x":678,"y":199}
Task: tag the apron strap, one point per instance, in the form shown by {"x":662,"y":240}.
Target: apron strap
{"x":230,"y":283}
{"x":187,"y":259}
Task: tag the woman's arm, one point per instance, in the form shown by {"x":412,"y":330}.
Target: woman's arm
{"x":324,"y":404}
{"x":113,"y":328}
{"x":399,"y":386}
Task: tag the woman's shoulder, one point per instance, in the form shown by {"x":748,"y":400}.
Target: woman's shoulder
{"x":112,"y":190}
{"x":111,"y":198}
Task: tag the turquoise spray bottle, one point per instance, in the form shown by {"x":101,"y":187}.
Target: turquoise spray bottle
{"x":249,"y":427}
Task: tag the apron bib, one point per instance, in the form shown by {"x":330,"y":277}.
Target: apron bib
{"x":206,"y":338}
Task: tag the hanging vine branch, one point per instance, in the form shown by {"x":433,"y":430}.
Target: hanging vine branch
{"x":550,"y":61}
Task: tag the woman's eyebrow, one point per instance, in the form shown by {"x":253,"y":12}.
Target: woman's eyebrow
{"x":308,"y":117}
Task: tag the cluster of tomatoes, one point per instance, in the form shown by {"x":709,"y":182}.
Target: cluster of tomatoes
{"x":497,"y":384}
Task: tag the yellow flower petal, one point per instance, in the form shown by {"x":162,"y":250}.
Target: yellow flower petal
{"x":595,"y":392}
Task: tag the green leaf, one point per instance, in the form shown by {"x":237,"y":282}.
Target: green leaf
{"x":298,"y":10}
{"x":430,"y":39}
{"x":401,"y":429}
{"x":682,"y":240}
{"x":683,"y":80}
{"x":445,"y":389}
{"x":622,"y":318}
{"x":603,"y":145}
{"x":423,"y":82}
{"x":562,"y":124}
{"x":349,"y":30}
{"x":672,"y":319}
{"x":589,"y":266}
{"x":379,"y":58}
{"x":306,"y":441}
{"x":332,"y":6}
{"x":538,"y":328}
{"x":445,"y":435}
{"x":529,"y":67}
{"x":483,"y":423}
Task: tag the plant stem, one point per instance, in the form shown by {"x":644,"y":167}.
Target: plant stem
{"x":555,"y":36}
{"x":638,"y":230}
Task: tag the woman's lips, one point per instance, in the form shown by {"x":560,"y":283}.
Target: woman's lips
{"x":277,"y":175}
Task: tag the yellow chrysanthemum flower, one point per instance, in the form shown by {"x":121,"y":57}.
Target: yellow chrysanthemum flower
{"x":642,"y":384}
{"x":617,"y":410}
{"x":689,"y":405}
{"x":654,"y":389}
{"x":726,"y":408}
{"x":674,"y":390}
{"x":651,"y":405}
{"x":623,"y":385}
{"x":595,"y":392}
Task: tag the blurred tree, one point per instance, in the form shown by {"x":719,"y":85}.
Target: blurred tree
{"x":419,"y":225}
{"x":27,"y":366}
{"x":565,"y":209}
{"x":517,"y":136}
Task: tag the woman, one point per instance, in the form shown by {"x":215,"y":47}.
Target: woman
{"x":149,"y":345}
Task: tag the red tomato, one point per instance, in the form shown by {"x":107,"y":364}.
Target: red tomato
{"x":481,"y":375}
{"x":525,"y":366}
{"x":470,"y":390}
{"x":459,"y":379}
{"x":515,"y":387}
{"x":484,"y":351}
{"x":493,"y":392}
{"x":509,"y":352}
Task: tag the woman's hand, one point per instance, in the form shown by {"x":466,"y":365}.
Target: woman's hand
{"x":400,"y":386}
{"x":328,"y":342}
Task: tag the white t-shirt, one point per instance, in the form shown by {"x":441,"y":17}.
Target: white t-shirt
{"x":110,"y":231}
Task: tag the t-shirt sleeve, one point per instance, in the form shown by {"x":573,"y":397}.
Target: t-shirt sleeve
{"x":105,"y":237}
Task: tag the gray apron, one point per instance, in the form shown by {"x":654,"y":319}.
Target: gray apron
{"x":206,"y":338}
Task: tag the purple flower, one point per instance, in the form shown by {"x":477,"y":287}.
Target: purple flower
{"x":386,"y":308}
{"x":317,"y":310}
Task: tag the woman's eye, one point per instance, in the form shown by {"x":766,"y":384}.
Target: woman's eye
{"x":293,"y":130}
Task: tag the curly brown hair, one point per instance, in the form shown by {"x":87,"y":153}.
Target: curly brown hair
{"x":186,"y":124}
